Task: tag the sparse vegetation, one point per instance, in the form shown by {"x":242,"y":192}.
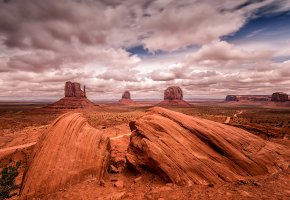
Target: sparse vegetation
{"x":7,"y":180}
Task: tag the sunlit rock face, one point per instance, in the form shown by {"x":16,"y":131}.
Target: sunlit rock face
{"x":73,"y":90}
{"x":189,"y":150}
{"x":69,"y":152}
{"x":279,"y":96}
{"x":232,"y":98}
{"x":173,"y":93}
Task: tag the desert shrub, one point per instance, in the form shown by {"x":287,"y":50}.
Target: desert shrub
{"x":7,"y":180}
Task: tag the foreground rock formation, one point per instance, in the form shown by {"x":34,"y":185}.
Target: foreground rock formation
{"x":279,"y":97}
{"x":173,"y":96}
{"x":69,"y":152}
{"x":74,"y":98}
{"x":126,"y":98}
{"x":188,"y":150}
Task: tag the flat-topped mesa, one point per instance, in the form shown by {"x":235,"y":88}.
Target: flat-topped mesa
{"x":173,"y":96}
{"x":279,"y":97}
{"x":126,"y":98}
{"x":74,"y":90}
{"x":231,"y":98}
{"x":247,"y":98}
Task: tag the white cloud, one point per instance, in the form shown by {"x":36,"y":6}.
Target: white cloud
{"x":45,"y":43}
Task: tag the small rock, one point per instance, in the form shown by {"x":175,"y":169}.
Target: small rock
{"x":162,"y":189}
{"x":119,"y":184}
{"x":113,"y":169}
{"x":118,"y":196}
{"x":137,"y":179}
{"x":245,"y":194}
{"x":92,"y":180}
{"x":228,"y":194}
{"x":102,"y":183}
{"x":148,"y":196}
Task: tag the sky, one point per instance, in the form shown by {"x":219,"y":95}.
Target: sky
{"x":208,"y":48}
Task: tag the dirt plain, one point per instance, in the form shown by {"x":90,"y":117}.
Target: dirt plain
{"x":21,"y":126}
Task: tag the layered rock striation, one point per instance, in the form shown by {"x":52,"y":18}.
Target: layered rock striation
{"x":69,"y":152}
{"x":188,"y":150}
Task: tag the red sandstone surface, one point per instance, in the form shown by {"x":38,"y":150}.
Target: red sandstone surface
{"x":188,"y":150}
{"x":69,"y":152}
{"x":203,"y":142}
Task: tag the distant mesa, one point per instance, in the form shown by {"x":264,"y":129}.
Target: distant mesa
{"x":189,"y":150}
{"x":231,"y":98}
{"x":279,"y":97}
{"x":74,"y":97}
{"x":126,"y":98}
{"x":173,"y":96}
{"x":247,"y":98}
{"x":275,"y":97}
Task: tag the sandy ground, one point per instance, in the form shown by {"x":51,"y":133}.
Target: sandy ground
{"x":21,"y":127}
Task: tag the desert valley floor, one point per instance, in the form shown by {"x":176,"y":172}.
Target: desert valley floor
{"x":23,"y":124}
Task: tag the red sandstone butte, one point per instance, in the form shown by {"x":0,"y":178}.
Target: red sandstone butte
{"x":126,"y":98}
{"x":173,"y":96}
{"x":74,"y":97}
{"x":74,"y":90}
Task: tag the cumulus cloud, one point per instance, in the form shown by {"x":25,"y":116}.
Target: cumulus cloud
{"x":120,"y":75}
{"x":45,"y":43}
{"x":183,"y":25}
